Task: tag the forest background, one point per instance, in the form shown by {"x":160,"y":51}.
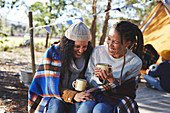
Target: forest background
{"x":98,"y":15}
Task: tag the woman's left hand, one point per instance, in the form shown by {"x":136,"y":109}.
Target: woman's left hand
{"x":82,"y":96}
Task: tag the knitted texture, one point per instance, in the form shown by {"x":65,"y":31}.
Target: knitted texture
{"x":78,"y":32}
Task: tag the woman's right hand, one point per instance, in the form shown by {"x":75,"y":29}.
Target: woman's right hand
{"x":82,"y":96}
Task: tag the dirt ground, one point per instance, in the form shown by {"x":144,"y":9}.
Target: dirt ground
{"x":13,"y":93}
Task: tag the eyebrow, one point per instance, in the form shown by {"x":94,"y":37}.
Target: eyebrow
{"x":115,"y":40}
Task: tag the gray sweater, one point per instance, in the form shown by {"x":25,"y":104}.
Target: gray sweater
{"x":100,"y":55}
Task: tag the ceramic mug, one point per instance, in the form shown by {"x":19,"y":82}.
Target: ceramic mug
{"x":79,"y":84}
{"x":103,"y":66}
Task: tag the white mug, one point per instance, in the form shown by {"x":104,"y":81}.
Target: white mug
{"x":79,"y":84}
{"x":103,"y":66}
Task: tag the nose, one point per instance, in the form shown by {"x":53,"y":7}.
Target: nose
{"x":111,"y":43}
{"x":81,"y":50}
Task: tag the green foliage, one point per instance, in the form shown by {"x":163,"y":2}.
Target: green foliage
{"x":12,"y":31}
{"x":148,"y":9}
{"x":2,"y":41}
{"x":47,"y":13}
{"x":2,"y":34}
{"x":43,"y":14}
{"x":10,"y":4}
{"x":136,"y":14}
{"x":6,"y":48}
{"x":38,"y":47}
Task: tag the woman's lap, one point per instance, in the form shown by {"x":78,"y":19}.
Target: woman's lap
{"x":86,"y":107}
{"x":94,"y":107}
{"x":103,"y":108}
{"x":58,"y":106}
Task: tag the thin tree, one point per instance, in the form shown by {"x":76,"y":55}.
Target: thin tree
{"x":93,"y":25}
{"x":49,"y":21}
{"x":105,"y":25}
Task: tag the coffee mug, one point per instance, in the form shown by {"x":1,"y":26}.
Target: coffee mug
{"x":103,"y":66}
{"x":79,"y":84}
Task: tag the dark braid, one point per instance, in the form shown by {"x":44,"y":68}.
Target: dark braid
{"x":131,"y":32}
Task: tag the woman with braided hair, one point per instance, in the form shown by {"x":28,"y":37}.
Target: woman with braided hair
{"x":114,"y":91}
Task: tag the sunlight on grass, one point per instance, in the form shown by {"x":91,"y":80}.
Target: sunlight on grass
{"x":17,"y":41}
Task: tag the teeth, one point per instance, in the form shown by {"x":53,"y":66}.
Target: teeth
{"x":78,"y":53}
{"x":111,"y":49}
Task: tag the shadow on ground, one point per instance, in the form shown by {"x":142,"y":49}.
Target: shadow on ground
{"x":151,"y":100}
{"x":13,"y":95}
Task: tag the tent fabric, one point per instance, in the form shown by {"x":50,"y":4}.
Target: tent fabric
{"x":157,"y":31}
{"x":151,"y":14}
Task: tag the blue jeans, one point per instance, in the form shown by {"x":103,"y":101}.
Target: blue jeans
{"x":103,"y":108}
{"x":58,"y":106}
{"x":94,"y":107}
{"x":153,"y":81}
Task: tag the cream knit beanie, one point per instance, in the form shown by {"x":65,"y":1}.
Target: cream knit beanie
{"x":78,"y":32}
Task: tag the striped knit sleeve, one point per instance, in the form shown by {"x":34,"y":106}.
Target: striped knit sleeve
{"x":107,"y":87}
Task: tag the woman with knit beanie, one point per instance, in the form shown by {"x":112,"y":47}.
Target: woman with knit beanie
{"x":162,"y":72}
{"x":51,"y":90}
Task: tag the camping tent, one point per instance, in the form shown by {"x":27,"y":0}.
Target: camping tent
{"x":156,"y":27}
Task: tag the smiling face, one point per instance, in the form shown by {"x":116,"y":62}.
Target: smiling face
{"x":114,"y":44}
{"x":79,"y":48}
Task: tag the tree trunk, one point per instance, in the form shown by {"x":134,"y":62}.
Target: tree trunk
{"x":93,"y":26}
{"x":46,"y":42}
{"x":49,"y":21}
{"x":104,"y":31}
{"x":51,"y":35}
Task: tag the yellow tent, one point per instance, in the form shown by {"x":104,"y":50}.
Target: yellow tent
{"x":156,"y":27}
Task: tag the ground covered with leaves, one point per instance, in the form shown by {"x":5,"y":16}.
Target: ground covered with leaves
{"x":13,"y":93}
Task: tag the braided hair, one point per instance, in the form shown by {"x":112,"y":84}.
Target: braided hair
{"x":131,"y":32}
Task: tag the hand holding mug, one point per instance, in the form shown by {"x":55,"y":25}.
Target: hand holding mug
{"x":103,"y":71}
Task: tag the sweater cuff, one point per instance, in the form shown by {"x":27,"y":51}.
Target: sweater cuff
{"x":107,"y":87}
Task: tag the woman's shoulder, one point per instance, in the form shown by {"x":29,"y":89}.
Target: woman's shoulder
{"x":134,"y":57}
{"x":50,"y":53}
{"x":165,"y":62}
{"x":53,"y":48}
{"x":100,"y":48}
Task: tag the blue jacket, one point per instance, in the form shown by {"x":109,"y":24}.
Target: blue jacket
{"x":163,"y":72}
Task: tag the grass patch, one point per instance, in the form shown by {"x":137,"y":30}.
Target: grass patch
{"x":18,"y":41}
